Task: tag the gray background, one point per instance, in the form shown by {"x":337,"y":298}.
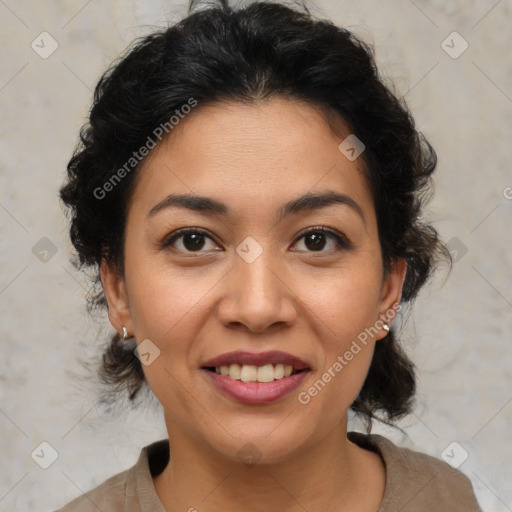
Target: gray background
{"x":458,"y":332}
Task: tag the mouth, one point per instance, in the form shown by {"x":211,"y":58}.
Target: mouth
{"x":252,"y":373}
{"x":256,"y":367}
{"x":256,"y":392}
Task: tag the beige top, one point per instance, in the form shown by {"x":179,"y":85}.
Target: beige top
{"x":415,"y":482}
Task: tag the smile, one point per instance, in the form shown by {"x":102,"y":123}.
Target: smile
{"x":255,"y":392}
{"x":252,"y":373}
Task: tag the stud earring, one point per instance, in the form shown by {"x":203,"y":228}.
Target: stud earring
{"x":386,"y":326}
{"x":125,"y":333}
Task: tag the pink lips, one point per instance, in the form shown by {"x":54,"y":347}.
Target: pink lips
{"x":256,"y":392}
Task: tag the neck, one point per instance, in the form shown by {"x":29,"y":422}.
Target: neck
{"x":323,"y":476}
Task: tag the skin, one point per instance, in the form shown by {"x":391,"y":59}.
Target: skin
{"x":309,"y":302}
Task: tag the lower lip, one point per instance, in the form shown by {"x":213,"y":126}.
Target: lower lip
{"x":256,"y":392}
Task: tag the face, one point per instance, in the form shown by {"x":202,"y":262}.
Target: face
{"x":256,"y":274}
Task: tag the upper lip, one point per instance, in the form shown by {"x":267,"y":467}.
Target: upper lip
{"x":257,"y":359}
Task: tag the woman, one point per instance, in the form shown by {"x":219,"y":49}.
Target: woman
{"x":250,"y":194}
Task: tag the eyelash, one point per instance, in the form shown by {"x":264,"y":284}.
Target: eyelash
{"x":342,"y":242}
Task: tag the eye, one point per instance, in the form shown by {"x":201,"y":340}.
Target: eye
{"x":192,"y":240}
{"x":315,"y":240}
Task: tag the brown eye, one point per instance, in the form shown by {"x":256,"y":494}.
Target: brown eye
{"x":191,"y":240}
{"x":316,"y":239}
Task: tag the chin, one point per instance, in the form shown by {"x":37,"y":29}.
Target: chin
{"x":270,"y":444}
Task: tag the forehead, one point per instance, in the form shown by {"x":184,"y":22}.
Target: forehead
{"x":253,"y":157}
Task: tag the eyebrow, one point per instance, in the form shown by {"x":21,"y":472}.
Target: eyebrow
{"x":307,"y":202}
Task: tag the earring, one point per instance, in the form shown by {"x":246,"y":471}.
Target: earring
{"x":386,"y":326}
{"x":125,"y":333}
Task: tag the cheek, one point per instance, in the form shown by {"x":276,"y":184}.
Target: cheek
{"x":346,"y":354}
{"x":167,"y":306}
{"x":333,"y":392}
{"x":341,"y":303}
{"x":165,"y":299}
{"x":342,"y":309}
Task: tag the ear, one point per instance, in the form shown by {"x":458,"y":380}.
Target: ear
{"x":117,"y":298}
{"x":391,"y":293}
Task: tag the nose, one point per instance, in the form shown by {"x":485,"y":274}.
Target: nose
{"x":257,"y":295}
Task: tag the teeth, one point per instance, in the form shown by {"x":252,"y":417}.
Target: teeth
{"x":251,"y":373}
{"x":234,"y":371}
{"x":278,"y":371}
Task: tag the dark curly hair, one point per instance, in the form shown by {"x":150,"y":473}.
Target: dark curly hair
{"x":250,"y":54}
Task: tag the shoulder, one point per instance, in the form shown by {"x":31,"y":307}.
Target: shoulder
{"x":131,"y":490}
{"x":109,"y":496}
{"x":416,"y":481}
